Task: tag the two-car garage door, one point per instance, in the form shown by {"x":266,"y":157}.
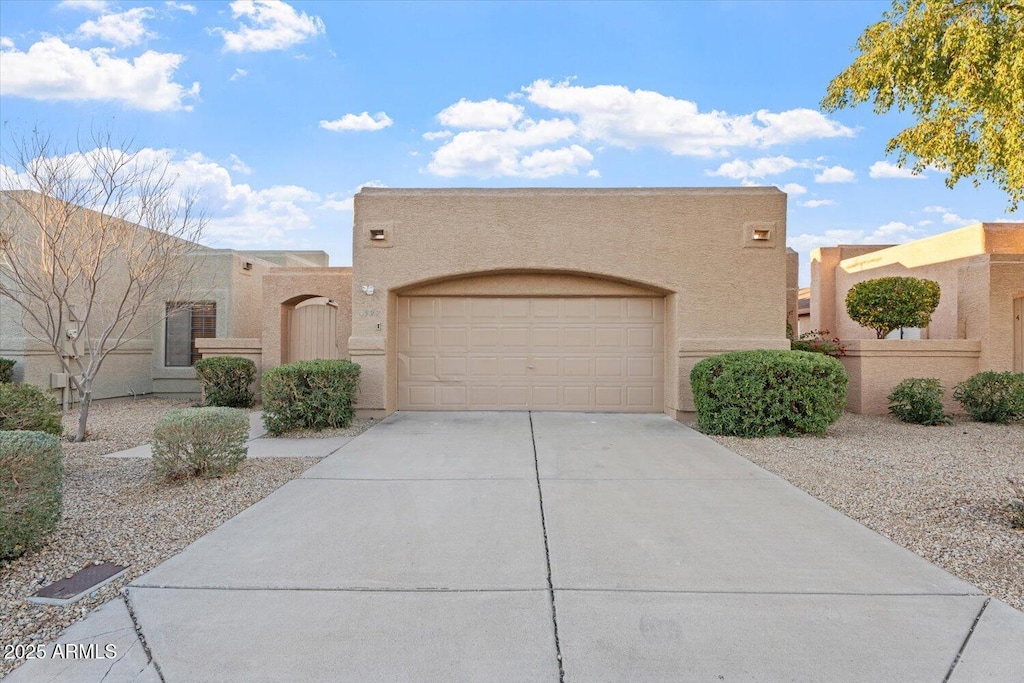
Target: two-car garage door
{"x":538,"y":353}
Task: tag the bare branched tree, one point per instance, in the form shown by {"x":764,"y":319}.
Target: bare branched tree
{"x":93,"y":241}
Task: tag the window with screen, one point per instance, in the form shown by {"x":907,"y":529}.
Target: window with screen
{"x":185,"y":324}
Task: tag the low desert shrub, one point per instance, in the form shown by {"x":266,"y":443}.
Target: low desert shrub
{"x":6,"y":370}
{"x":200,"y":442}
{"x":226,"y":381}
{"x":818,"y":341}
{"x":31,"y":486}
{"x":25,"y":406}
{"x":992,"y":396}
{"x":766,"y":393}
{"x":311,"y":394}
{"x":919,"y":401}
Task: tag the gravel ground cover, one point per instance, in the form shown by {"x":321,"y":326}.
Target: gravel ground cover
{"x":114,"y":510}
{"x":940,"y":491}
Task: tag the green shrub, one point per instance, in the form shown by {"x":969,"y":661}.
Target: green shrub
{"x":200,"y":442}
{"x":765,"y":393}
{"x":918,"y":401}
{"x":891,"y":303}
{"x":310,"y":394}
{"x":31,"y":485}
{"x":992,"y":396}
{"x":226,"y":381}
{"x":818,"y":341}
{"x":7,"y":371}
{"x":25,"y":406}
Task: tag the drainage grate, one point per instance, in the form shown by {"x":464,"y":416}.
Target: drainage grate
{"x":78,"y":585}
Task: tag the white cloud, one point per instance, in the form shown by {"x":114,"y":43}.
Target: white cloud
{"x":122,"y":29}
{"x":815,"y":203}
{"x":346,"y":204}
{"x":835,"y":174}
{"x":948,"y":216}
{"x":269,"y":25}
{"x":363,"y":121}
{"x":181,"y":6}
{"x":6,"y":43}
{"x":238,"y":214}
{"x":238,"y":75}
{"x":495,"y":153}
{"x":437,"y":135}
{"x":593,"y":173}
{"x":883,"y":169}
{"x":893,"y":232}
{"x":635,"y":118}
{"x":238,"y":165}
{"x":86,"y":5}
{"x":758,"y":168}
{"x":793,"y":189}
{"x":53,"y":70}
{"x":925,"y":222}
{"x":486,"y":114}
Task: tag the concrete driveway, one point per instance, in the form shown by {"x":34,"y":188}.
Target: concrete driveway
{"x":534,"y":547}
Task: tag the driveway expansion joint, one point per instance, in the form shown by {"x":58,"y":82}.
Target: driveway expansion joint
{"x":140,"y":636}
{"x":967,"y":639}
{"x":547,"y":553}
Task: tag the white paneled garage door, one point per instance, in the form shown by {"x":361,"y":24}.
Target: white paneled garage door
{"x":539,"y":353}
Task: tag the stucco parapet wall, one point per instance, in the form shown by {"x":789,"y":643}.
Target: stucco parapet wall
{"x":569,"y":191}
{"x":917,"y":348}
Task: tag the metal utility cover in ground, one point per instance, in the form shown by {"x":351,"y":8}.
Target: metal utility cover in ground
{"x":78,"y":585}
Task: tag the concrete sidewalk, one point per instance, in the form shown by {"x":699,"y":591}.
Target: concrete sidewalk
{"x":534,"y":547}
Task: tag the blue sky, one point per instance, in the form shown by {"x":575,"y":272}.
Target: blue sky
{"x":279,"y":112}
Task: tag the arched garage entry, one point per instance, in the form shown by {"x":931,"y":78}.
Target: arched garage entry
{"x":309,"y":328}
{"x":531,"y":341}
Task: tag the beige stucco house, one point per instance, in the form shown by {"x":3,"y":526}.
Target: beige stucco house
{"x":231,"y":290}
{"x":496,"y":299}
{"x":978,"y":325}
{"x":561,"y":299}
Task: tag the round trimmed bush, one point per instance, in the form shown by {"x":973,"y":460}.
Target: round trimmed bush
{"x":200,"y":442}
{"x":768,"y":393}
{"x":891,"y":303}
{"x":31,"y":490}
{"x":992,"y":396}
{"x":226,"y":381}
{"x":27,"y":407}
{"x":918,"y":400}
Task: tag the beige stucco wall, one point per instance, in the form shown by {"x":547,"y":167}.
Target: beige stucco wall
{"x":792,"y":290}
{"x":288,"y":286}
{"x":876,"y":366}
{"x":723,"y":291}
{"x":979,"y":268}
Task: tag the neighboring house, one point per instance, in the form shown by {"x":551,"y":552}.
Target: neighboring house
{"x":803,"y":311}
{"x":979,"y":268}
{"x":229,"y":303}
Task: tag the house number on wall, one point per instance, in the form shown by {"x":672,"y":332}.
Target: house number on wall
{"x":369,"y":313}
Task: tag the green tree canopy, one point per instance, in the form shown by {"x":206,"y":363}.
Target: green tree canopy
{"x":958,"y":67}
{"x":892,"y":303}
